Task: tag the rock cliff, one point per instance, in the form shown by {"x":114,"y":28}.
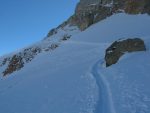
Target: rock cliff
{"x":89,"y":12}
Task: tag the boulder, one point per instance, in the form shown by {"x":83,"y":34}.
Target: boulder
{"x":120,"y":47}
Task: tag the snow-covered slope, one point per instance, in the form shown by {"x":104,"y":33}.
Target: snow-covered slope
{"x":73,"y":79}
{"x":17,"y":60}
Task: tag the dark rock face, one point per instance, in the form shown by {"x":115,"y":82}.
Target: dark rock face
{"x":15,"y":64}
{"x":66,"y":37}
{"x":18,"y":60}
{"x":134,"y":6}
{"x":88,"y":12}
{"x":90,"y":15}
{"x":147,"y":7}
{"x":118,"y":48}
{"x":52,"y":32}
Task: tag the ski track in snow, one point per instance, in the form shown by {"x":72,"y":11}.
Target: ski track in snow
{"x":104,"y":103}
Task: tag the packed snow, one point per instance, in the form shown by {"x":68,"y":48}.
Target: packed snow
{"x":73,"y":78}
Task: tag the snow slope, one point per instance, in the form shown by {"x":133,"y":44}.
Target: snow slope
{"x":73,"y":79}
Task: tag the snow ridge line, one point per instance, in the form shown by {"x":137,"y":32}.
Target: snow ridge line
{"x":104,"y":103}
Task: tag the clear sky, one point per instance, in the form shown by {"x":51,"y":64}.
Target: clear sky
{"x":23,"y":22}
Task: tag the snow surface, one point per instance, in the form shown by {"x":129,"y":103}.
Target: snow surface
{"x":73,"y":78}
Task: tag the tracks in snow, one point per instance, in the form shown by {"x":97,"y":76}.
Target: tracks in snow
{"x":104,"y":103}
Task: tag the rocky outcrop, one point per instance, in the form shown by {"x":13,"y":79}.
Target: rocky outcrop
{"x":52,"y":32}
{"x":18,"y":60}
{"x":119,"y":48}
{"x":85,"y":19}
{"x":137,"y":6}
{"x":89,"y":12}
{"x":147,"y":7}
{"x":66,"y":37}
{"x":15,"y":64}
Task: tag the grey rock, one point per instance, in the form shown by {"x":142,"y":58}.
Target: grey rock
{"x":15,"y":64}
{"x":119,"y":48}
{"x":88,"y":12}
{"x":52,"y":32}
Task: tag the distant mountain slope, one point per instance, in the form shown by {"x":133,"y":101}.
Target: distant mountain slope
{"x":72,"y":78}
{"x":17,"y":60}
{"x":66,"y":73}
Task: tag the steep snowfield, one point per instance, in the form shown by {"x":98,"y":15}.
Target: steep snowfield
{"x":25,"y":55}
{"x":73,"y":79}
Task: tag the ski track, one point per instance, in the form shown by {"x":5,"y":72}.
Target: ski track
{"x":104,"y":103}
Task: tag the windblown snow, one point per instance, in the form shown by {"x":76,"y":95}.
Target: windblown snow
{"x":73,"y":79}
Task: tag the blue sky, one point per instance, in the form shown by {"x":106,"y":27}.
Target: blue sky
{"x":23,"y":22}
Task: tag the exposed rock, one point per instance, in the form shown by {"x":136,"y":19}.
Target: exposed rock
{"x":88,"y":12}
{"x":66,"y":37}
{"x":51,"y":47}
{"x":15,"y":64}
{"x":52,"y":32}
{"x":134,"y":6}
{"x":86,"y":5}
{"x":17,"y":61}
{"x":119,"y":48}
{"x":147,"y":7}
{"x":29,"y":53}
